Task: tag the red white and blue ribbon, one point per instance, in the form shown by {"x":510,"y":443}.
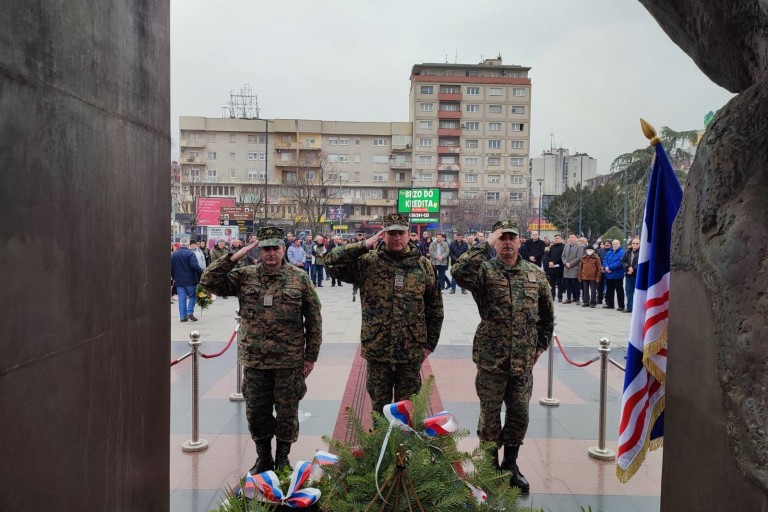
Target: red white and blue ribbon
{"x":440,"y":424}
{"x":399,"y":414}
{"x":477,"y":493}
{"x":266,"y":487}
{"x":321,"y":460}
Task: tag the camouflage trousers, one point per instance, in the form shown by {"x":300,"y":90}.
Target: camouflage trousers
{"x":279,"y":389}
{"x":515,"y":392}
{"x":384,"y":378}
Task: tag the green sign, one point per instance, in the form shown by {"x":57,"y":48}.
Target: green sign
{"x":422,"y":205}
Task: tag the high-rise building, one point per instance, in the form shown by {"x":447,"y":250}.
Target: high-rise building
{"x":558,"y":171}
{"x":471,"y":135}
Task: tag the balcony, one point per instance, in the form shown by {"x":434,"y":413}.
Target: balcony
{"x":448,"y":202}
{"x":448,"y":167}
{"x":191,"y":160}
{"x":449,"y":132}
{"x":449,"y":114}
{"x":448,"y":184}
{"x":379,"y":202}
{"x":448,"y":150}
{"x":192,"y":143}
{"x":297,"y":163}
{"x":449,"y":96}
{"x":298,"y":145}
{"x":400,"y":165}
{"x":401,"y":147}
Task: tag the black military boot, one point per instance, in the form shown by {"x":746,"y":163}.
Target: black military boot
{"x":281,"y":455}
{"x":493,"y":456}
{"x":510,"y":464}
{"x":264,"y":462}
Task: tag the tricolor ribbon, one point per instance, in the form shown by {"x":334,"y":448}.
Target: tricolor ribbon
{"x":440,"y":424}
{"x":266,"y":487}
{"x":320,"y":461}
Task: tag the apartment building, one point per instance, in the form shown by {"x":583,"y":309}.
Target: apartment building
{"x":356,"y":167}
{"x":471,"y":132}
{"x":557,"y":170}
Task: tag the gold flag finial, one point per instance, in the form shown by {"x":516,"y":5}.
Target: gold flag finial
{"x":649,"y":132}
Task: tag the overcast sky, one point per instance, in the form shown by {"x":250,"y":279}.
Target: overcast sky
{"x":597,"y":65}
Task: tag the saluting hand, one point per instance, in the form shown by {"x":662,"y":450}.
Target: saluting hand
{"x":242,"y":252}
{"x":370,"y":243}
{"x":494,"y":237}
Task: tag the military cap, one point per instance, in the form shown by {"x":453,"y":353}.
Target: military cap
{"x":506,"y":226}
{"x":270,"y":236}
{"x":396,"y":222}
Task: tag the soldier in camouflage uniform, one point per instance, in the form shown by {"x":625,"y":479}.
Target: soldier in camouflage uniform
{"x":278,"y":342}
{"x":517,"y":319}
{"x":402,"y":308}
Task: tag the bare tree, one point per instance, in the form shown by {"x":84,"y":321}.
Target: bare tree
{"x":562,"y":211}
{"x":310,"y":181}
{"x":636,"y":198}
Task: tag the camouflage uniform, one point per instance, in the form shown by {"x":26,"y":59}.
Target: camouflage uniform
{"x":273,"y":341}
{"x":402,"y":310}
{"x":517,"y":319}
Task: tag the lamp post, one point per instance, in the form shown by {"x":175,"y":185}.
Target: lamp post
{"x":625,"y":203}
{"x":581,"y":189}
{"x":266,"y":163}
{"x":541,"y":202}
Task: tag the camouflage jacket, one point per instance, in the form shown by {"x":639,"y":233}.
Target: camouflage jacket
{"x":281,"y":335}
{"x":401,"y":303}
{"x":516,"y":310}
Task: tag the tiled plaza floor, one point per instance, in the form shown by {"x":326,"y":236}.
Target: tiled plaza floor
{"x":553,"y":458}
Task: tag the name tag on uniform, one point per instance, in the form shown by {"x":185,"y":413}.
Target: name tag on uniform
{"x":532,"y":277}
{"x":399,"y":281}
{"x":268,"y":299}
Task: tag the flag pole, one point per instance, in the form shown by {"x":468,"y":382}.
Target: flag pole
{"x":649,"y":132}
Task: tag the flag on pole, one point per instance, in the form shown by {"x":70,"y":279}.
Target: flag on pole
{"x":642,"y":402}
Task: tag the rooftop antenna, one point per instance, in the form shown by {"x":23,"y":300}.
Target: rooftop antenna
{"x":242,"y":105}
{"x":551,"y":142}
{"x":446,"y":58}
{"x":456,"y":55}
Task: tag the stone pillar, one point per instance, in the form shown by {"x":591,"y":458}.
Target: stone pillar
{"x":84,"y":225}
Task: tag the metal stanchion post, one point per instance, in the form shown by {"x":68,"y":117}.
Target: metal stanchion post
{"x":237,"y":396}
{"x":549,"y":400}
{"x":600,"y":452}
{"x":195,"y":444}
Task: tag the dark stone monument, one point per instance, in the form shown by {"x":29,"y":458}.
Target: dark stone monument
{"x":715,"y":446}
{"x":84,"y":226}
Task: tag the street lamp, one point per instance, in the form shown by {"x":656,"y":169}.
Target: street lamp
{"x":541,"y":202}
{"x":266,"y":163}
{"x":581,"y":189}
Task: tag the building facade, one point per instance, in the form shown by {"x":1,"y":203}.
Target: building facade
{"x":556,"y":170}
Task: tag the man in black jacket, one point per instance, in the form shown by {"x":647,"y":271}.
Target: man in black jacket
{"x":534,"y":249}
{"x":630,"y":271}
{"x":455,"y":250}
{"x":553,"y":266}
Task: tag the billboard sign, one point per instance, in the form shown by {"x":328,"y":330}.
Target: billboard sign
{"x":217,"y":233}
{"x":422,"y":205}
{"x":208,"y":209}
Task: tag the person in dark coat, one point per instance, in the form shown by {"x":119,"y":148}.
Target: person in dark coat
{"x":534,"y":249}
{"x":455,"y":250}
{"x":553,"y":266}
{"x":185,"y":272}
{"x":630,"y":271}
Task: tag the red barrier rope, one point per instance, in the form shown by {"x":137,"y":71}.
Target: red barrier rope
{"x":217,"y":354}
{"x":180,"y":359}
{"x":580,"y":365}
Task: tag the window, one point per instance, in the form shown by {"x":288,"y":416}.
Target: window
{"x":473,"y":91}
{"x":425,"y":125}
{"x":380,"y":177}
{"x":211,"y":155}
{"x":471,"y":73}
{"x":426,"y":107}
{"x":449,"y":125}
{"x":333,"y":142}
{"x":470,"y":195}
{"x":425,"y":177}
{"x":399,"y":159}
{"x":495,"y":91}
{"x":357,"y":175}
{"x":494,"y":161}
{"x":494,"y":127}
{"x":425,"y":160}
{"x":471,"y":143}
{"x":516,"y":161}
{"x":517,"y":144}
{"x":494,"y":144}
{"x":494,"y":109}
{"x":357,"y":142}
{"x":517,"y":109}
{"x":253,"y":156}
{"x":332,"y":158}
{"x":450,"y":107}
{"x":211,"y":173}
{"x":343,"y":142}
{"x":471,"y":160}
{"x":232,"y":137}
{"x":446,"y":177}
{"x":232,"y":174}
{"x":357,"y":158}
{"x":211,"y":137}
{"x":448,"y":142}
{"x":380,"y":142}
{"x":470,"y":178}
{"x":309,"y":175}
{"x":286,"y":139}
{"x":286,"y":157}
{"x":472,"y":126}
{"x":380,"y":159}
{"x":516,"y":196}
{"x":494,"y":178}
{"x":195,"y":173}
{"x":427,"y":89}
{"x":518,"y":127}
{"x":518,"y":92}
{"x":473,"y":108}
{"x":344,"y":158}
{"x":233,"y":156}
{"x":450,"y":89}
{"x":256,"y":138}
{"x":449,"y":160}
{"x":517,"y":179}
{"x":492,"y":196}
{"x":400,"y":176}
{"x":425,"y":143}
